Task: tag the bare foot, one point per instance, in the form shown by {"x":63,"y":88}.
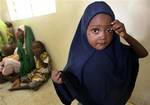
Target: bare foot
{"x":15,"y":84}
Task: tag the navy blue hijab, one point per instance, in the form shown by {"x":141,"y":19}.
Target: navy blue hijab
{"x":98,"y":77}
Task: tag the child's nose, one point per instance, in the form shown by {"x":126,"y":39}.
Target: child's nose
{"x":102,"y":35}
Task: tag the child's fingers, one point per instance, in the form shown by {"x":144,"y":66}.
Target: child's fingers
{"x":59,"y":74}
{"x":119,"y":30}
{"x":116,"y":25}
{"x":114,"y":22}
{"x":60,"y":80}
{"x":56,"y":76}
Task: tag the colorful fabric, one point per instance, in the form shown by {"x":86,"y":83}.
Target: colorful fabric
{"x":44,"y":57}
{"x":40,"y":73}
{"x":3,"y":34}
{"x":9,"y":65}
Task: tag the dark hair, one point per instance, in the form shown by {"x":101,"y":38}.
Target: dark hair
{"x":8,"y":24}
{"x":39,"y":43}
{"x":8,"y":49}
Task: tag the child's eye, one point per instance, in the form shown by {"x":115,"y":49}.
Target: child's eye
{"x":109,"y":30}
{"x":95,"y":30}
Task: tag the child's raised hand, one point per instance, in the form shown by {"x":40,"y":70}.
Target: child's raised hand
{"x":56,"y":77}
{"x":119,"y":28}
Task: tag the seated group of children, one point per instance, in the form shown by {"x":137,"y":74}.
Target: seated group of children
{"x":13,"y":67}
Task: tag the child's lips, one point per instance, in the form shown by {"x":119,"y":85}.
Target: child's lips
{"x":101,"y":42}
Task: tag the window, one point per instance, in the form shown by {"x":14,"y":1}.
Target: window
{"x":20,"y":9}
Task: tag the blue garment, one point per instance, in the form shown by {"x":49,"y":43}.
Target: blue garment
{"x":98,"y":77}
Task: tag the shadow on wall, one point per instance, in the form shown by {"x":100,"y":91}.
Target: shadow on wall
{"x":141,"y":94}
{"x":139,"y":25}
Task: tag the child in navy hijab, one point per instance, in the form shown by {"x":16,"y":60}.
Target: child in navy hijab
{"x":100,"y":69}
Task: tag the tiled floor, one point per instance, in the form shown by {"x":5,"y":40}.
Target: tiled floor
{"x":44,"y":96}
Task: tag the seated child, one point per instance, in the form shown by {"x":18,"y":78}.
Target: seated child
{"x":41,"y":74}
{"x":9,"y":63}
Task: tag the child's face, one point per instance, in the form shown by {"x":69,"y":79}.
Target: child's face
{"x":37,"y":49}
{"x":8,"y":49}
{"x":99,"y":31}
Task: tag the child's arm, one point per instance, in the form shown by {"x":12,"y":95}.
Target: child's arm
{"x":119,"y":28}
{"x":137,"y":47}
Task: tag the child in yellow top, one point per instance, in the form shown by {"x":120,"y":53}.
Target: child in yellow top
{"x":41,"y":74}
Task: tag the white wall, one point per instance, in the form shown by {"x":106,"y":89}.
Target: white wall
{"x":0,"y":9}
{"x":136,"y":14}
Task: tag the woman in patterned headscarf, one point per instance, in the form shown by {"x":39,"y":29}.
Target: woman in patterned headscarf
{"x":100,"y":69}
